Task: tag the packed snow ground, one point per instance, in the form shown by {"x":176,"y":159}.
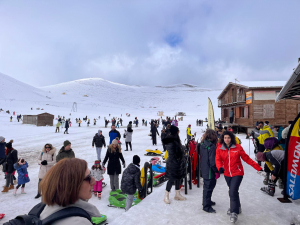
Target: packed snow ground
{"x":29,"y":140}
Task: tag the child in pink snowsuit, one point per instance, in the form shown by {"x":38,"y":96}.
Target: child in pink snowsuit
{"x":97,"y":172}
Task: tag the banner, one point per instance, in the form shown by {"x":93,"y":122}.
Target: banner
{"x":249,"y":97}
{"x":293,"y":161}
{"x":211,"y":117}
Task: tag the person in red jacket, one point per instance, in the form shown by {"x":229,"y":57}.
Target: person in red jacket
{"x":228,"y":161}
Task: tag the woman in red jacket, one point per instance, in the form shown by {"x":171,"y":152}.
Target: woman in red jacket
{"x":228,"y":161}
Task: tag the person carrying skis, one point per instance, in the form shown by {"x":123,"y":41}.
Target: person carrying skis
{"x":228,"y":161}
{"x":209,"y":171}
{"x":131,"y":180}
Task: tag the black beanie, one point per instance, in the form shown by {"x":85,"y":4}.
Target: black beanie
{"x":174,"y":130}
{"x":136,"y":160}
{"x":8,"y":145}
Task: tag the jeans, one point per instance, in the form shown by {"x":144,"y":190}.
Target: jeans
{"x":128,"y":143}
{"x":171,"y":182}
{"x":129,"y":201}
{"x":208,"y":188}
{"x":114,"y":181}
{"x":9,"y":179}
{"x":98,"y":150}
{"x":234,"y":185}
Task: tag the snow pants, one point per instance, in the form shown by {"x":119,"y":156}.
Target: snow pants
{"x":98,"y":150}
{"x":114,"y":181}
{"x":128,"y":143}
{"x":208,"y":188}
{"x":129,"y":201}
{"x":171,"y":182}
{"x":234,"y":185}
{"x":261,"y":148}
{"x":231,"y":119}
{"x":154,"y":139}
{"x":98,"y":186}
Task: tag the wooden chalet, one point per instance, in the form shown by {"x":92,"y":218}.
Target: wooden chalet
{"x":44,"y":119}
{"x":255,"y":101}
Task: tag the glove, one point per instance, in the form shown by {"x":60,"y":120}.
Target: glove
{"x":217,"y":175}
{"x":44,"y":162}
{"x":221,"y":170}
{"x":25,"y":175}
{"x":262,"y":173}
{"x":103,"y":165}
{"x":124,"y":165}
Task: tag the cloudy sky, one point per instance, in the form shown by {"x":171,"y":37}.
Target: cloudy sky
{"x":207,"y":43}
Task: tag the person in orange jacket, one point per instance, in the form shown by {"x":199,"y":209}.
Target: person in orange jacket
{"x":228,"y":161}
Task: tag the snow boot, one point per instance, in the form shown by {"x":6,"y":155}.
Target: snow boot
{"x":233,"y":217}
{"x":178,"y":196}
{"x":212,"y":203}
{"x":270,"y":190}
{"x":22,"y":191}
{"x":229,"y":213}
{"x":166,"y":199}
{"x":11,"y":187}
{"x":37,"y":196}
{"x":95,"y":193}
{"x":280,"y":184}
{"x":99,"y":195}
{"x":5,"y":189}
{"x":266,"y":180}
{"x":210,"y":210}
{"x":15,"y":191}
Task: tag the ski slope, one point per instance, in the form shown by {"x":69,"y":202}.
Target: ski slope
{"x":106,"y":97}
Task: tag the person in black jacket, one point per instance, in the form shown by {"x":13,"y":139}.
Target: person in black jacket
{"x":10,"y":159}
{"x":175,"y":164}
{"x":67,"y":126}
{"x":99,"y":140}
{"x":131,"y":180}
{"x":114,"y":155}
{"x":163,"y":136}
{"x":2,"y":147}
{"x":153,"y":133}
{"x":207,"y":150}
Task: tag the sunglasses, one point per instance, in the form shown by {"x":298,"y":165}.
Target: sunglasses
{"x":47,"y":147}
{"x":88,"y":178}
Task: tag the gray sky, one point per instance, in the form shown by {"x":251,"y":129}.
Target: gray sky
{"x":206,"y":43}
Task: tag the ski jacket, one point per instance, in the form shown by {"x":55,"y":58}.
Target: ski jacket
{"x":2,"y":150}
{"x":269,"y":164}
{"x":175,"y":163}
{"x":231,"y":113}
{"x":23,"y":177}
{"x":11,"y":158}
{"x":128,"y":136}
{"x":114,"y":165}
{"x":97,"y":173}
{"x":113,"y":134}
{"x":275,"y":158}
{"x":99,"y":141}
{"x":64,"y":154}
{"x":285,"y":132}
{"x":188,"y":133}
{"x":58,"y":124}
{"x":131,"y":179}
{"x":230,"y":160}
{"x":73,"y":220}
{"x":67,"y":124}
{"x":50,"y":157}
{"x":207,"y":152}
{"x":265,"y":133}
{"x":154,"y":131}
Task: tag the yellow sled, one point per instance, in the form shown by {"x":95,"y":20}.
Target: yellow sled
{"x":155,"y":152}
{"x":146,"y":181}
{"x":165,"y":156}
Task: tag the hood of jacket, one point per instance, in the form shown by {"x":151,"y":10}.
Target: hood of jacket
{"x":52,"y":151}
{"x":133,"y":169}
{"x":20,"y":166}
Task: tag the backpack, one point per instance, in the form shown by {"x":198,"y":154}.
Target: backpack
{"x":33,"y":216}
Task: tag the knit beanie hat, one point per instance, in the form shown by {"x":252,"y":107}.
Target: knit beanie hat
{"x":261,"y":156}
{"x":136,"y":160}
{"x":115,"y":142}
{"x":174,"y":130}
{"x":66,"y":143}
{"x":8,"y":145}
{"x":97,"y":162}
{"x":1,"y":138}
{"x":99,"y":131}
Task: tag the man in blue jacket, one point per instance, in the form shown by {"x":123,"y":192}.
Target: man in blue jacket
{"x":113,"y":134}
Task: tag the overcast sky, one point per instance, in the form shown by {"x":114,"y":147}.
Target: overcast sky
{"x":207,"y":43}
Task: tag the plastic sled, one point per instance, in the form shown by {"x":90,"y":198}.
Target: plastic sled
{"x":159,"y":179}
{"x":2,"y":215}
{"x":99,"y":220}
{"x":153,"y":152}
{"x":117,"y":199}
{"x":155,"y":160}
{"x":146,"y":181}
{"x":159,"y":169}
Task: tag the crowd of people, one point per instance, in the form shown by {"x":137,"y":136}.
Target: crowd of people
{"x":221,"y":153}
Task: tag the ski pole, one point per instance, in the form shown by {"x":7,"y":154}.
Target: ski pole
{"x":249,"y":146}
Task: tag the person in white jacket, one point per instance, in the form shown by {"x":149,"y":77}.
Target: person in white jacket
{"x":286,"y":130}
{"x":46,"y":159}
{"x":97,"y":172}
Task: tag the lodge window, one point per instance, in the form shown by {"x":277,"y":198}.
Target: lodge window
{"x":225,"y":113}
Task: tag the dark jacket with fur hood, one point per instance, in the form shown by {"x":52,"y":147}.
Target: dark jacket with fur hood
{"x":113,"y":156}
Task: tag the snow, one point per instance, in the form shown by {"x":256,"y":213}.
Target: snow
{"x":106,"y":97}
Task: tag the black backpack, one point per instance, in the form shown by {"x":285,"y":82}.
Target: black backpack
{"x":33,"y":217}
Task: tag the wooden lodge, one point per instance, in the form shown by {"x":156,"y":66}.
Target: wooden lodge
{"x":44,"y":119}
{"x":255,"y":101}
